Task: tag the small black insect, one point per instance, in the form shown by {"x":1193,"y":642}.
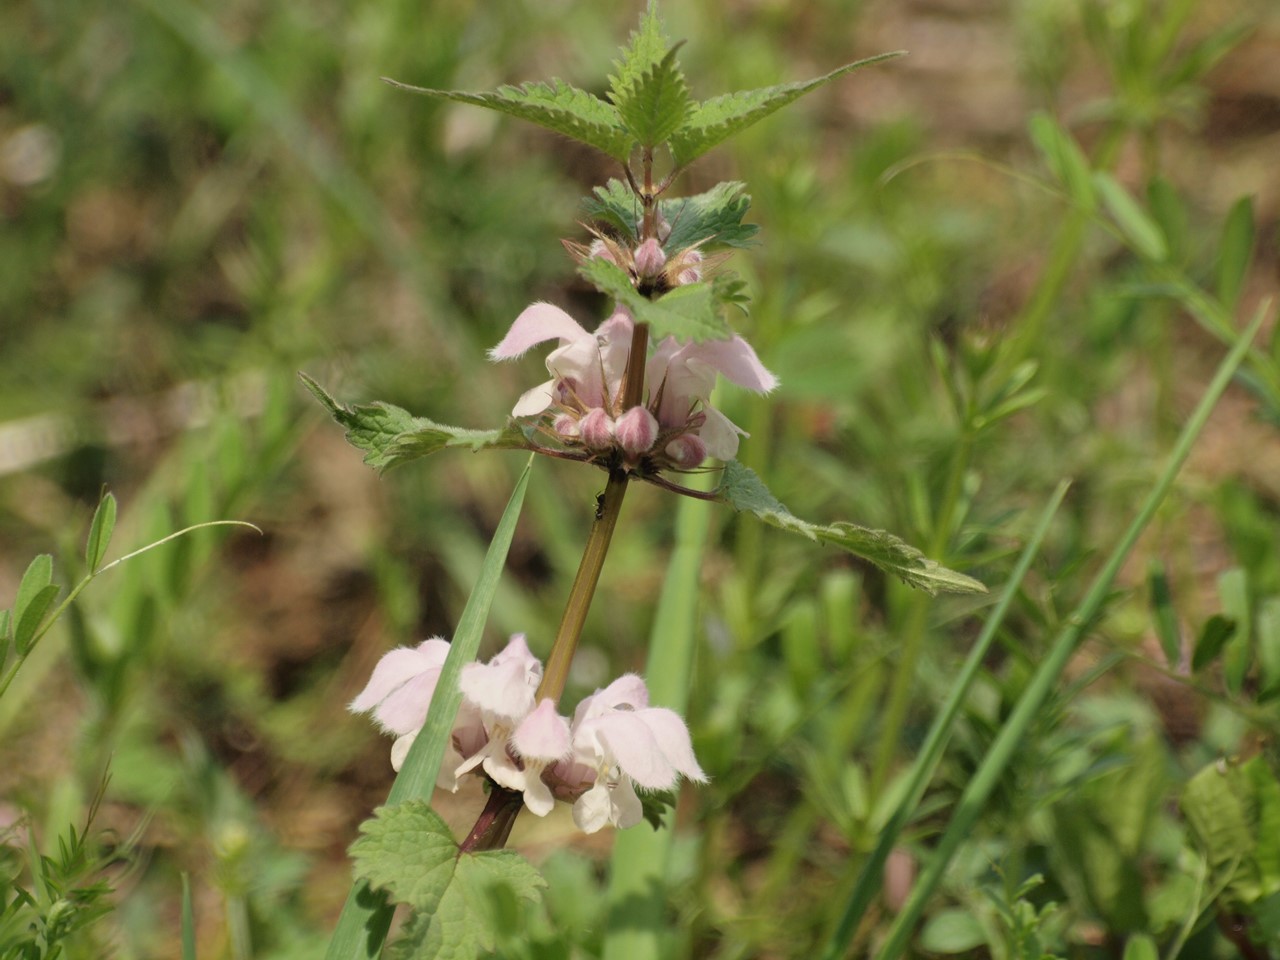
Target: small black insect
{"x":599,"y":506}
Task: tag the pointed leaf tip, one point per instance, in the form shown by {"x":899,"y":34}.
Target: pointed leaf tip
{"x":742,"y":489}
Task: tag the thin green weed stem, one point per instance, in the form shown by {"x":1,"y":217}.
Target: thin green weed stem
{"x":895,"y":711}
{"x":868,"y":882}
{"x":984,"y":781}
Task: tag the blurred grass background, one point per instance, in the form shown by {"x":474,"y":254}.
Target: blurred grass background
{"x":198,"y":201}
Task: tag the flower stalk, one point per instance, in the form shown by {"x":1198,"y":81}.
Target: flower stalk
{"x":493,"y":826}
{"x":598,"y":540}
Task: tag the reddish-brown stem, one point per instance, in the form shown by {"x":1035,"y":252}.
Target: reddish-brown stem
{"x":494,"y":824}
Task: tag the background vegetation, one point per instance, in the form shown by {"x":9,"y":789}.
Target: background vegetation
{"x":197,"y":202}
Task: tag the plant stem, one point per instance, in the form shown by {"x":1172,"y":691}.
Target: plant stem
{"x":610,"y":505}
{"x":584,"y":587}
{"x":495,"y":822}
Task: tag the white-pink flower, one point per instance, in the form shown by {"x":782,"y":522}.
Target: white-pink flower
{"x":615,"y":743}
{"x":626,"y":743}
{"x":582,"y":401}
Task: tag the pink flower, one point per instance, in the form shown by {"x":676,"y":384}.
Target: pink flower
{"x":615,"y":743}
{"x":626,"y":742}
{"x":582,"y":401}
{"x":586,"y":369}
{"x":681,"y":378}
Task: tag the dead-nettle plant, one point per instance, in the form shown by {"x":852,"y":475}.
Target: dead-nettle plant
{"x":632,"y":398}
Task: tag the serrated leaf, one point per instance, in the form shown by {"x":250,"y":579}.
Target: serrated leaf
{"x":28,"y":622}
{"x":712,"y":219}
{"x":714,"y":121}
{"x":656,"y":104}
{"x":407,"y":849}
{"x":390,"y":435}
{"x":743,"y":490}
{"x":687,"y":313}
{"x":646,"y":48}
{"x":1235,"y":251}
{"x":555,"y":105}
{"x":1215,"y":803}
{"x":1138,"y":228}
{"x":100,"y":530}
{"x":1064,"y":158}
{"x":1216,"y":631}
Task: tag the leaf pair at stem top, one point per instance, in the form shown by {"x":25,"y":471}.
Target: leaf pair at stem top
{"x":648,"y":105}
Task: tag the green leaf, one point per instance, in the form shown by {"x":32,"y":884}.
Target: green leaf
{"x":1216,"y":631}
{"x":687,"y":313}
{"x":1165,"y":616}
{"x":556,"y":105}
{"x":743,"y":490}
{"x":28,"y":623}
{"x":32,"y":601}
{"x":656,"y":104}
{"x":1141,"y":947}
{"x":1235,"y":251}
{"x":407,"y":849}
{"x":5,"y":623}
{"x":712,"y":218}
{"x":952,"y":931}
{"x":1233,"y":588}
{"x":1268,"y":641}
{"x":104,"y":522}
{"x":1064,"y":158}
{"x":1138,"y":228}
{"x":1266,"y":796}
{"x":1214,"y":804}
{"x":391,"y":436}
{"x":647,"y":47}
{"x":714,"y":121}
{"x":1171,"y":215}
{"x":616,"y":205}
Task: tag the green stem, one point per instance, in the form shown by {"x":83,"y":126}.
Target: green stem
{"x":584,"y":587}
{"x":61,"y":608}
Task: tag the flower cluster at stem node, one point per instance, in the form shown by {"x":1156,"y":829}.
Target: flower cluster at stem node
{"x":614,"y":743}
{"x":675,"y":426}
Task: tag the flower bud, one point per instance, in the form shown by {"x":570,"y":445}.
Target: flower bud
{"x":566,"y":427}
{"x":636,"y":430}
{"x":598,"y":248}
{"x":687,"y":267}
{"x":596,"y":429}
{"x":649,"y":258}
{"x":686,"y":450}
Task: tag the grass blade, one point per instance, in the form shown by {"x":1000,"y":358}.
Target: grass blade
{"x":362,"y":927}
{"x":868,"y":883}
{"x":984,"y":781}
{"x":188,"y":921}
